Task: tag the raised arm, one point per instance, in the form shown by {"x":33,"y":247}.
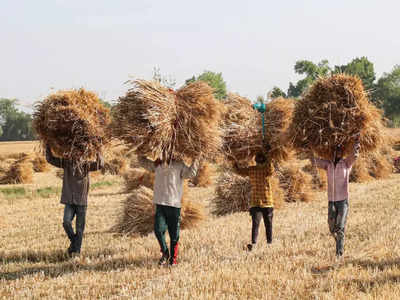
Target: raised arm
{"x":189,"y":172}
{"x":96,"y":165}
{"x":51,"y":159}
{"x":356,"y":152}
{"x":146,"y":163}
{"x":319,"y":163}
{"x":241,"y":171}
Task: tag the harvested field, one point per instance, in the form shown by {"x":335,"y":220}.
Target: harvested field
{"x":300,"y":264}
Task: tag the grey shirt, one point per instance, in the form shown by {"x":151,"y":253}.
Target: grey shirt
{"x":75,"y":188}
{"x":168,"y":183}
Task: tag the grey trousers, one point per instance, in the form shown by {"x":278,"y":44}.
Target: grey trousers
{"x":70,"y":211}
{"x":337,"y":217}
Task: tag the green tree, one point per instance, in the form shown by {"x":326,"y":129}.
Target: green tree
{"x":15,"y":125}
{"x":362,"y":68}
{"x":388,"y":94}
{"x":276,"y":93}
{"x":311,"y":71}
{"x":215,"y":80}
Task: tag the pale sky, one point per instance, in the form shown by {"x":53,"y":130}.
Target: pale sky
{"x":99,"y":44}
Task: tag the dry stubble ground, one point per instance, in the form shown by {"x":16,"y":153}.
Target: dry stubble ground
{"x":300,"y":264}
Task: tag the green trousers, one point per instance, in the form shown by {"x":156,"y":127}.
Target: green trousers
{"x":168,"y":217}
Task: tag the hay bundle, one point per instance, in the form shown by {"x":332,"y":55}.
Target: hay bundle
{"x":161,"y":123}
{"x":331,"y":113}
{"x":319,"y":178}
{"x":40,"y":164}
{"x":21,"y":171}
{"x":204,"y":175}
{"x":60,"y":173}
{"x":137,"y":216}
{"x":74,"y":123}
{"x":115,"y":166}
{"x":233,"y":194}
{"x":243,"y":128}
{"x":295,"y":183}
{"x":377,"y":165}
{"x":138,"y":177}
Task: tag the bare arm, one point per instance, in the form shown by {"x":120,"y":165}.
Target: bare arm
{"x":51,"y":159}
{"x":96,"y":165}
{"x":319,"y":163}
{"x":146,"y":163}
{"x":241,"y":171}
{"x":189,"y":172}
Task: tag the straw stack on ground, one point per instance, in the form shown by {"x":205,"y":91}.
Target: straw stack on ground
{"x":319,"y":178}
{"x":138,"y":177}
{"x":243,"y":129}
{"x":295,"y":183}
{"x":40,"y":164}
{"x":162,"y":123}
{"x":204,"y":175}
{"x":331,"y":113}
{"x":376,"y":165}
{"x":74,"y":123}
{"x":232,"y":194}
{"x":20,"y":172}
{"x":115,"y":166}
{"x":137,"y":215}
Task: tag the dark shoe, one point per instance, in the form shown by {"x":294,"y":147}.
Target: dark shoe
{"x":164,"y":259}
{"x":249,"y":247}
{"x":70,"y":251}
{"x":173,"y":263}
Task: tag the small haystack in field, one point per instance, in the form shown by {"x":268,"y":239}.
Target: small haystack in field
{"x":40,"y":164}
{"x":115,"y":166}
{"x":137,"y":216}
{"x":138,"y":177}
{"x":74,"y":123}
{"x":319,"y":178}
{"x":333,"y":111}
{"x":204,"y":175}
{"x":232,"y":194}
{"x":242,"y":125}
{"x":20,"y":172}
{"x":161,"y":123}
{"x":295,"y":183}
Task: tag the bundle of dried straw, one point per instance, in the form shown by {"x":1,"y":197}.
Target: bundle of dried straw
{"x":232,"y":194}
{"x":243,"y":135}
{"x":161,"y":123}
{"x":331,"y":113}
{"x":74,"y":123}
{"x":137,"y":214}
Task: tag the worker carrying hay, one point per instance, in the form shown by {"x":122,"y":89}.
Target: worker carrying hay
{"x":261,"y":200}
{"x":168,"y":190}
{"x":338,"y":172}
{"x":74,"y":195}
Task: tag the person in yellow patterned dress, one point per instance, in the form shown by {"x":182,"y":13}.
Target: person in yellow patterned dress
{"x":261,"y":201}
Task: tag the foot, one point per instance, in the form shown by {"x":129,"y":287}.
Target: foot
{"x":173,"y":263}
{"x":250,"y":247}
{"x":164,"y":259}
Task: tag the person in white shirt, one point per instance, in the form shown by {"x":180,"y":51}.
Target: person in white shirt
{"x":168,"y":190}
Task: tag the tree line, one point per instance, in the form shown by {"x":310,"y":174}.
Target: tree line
{"x":16,"y":125}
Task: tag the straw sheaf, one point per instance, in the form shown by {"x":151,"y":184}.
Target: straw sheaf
{"x":161,"y":123}
{"x":137,"y":214}
{"x":138,"y":177}
{"x":20,"y":172}
{"x":295,"y":183}
{"x":74,"y":123}
{"x":243,"y":129}
{"x":333,"y":111}
{"x":232,"y":194}
{"x":204,"y":175}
